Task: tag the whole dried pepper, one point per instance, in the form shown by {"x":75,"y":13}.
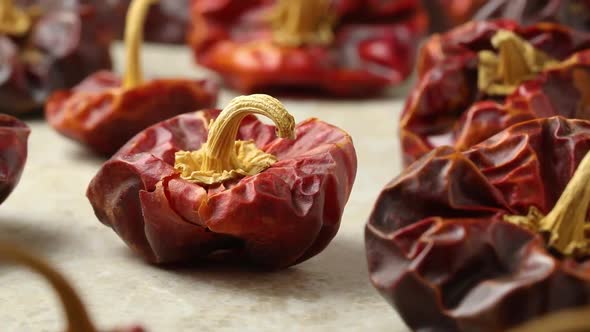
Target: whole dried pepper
{"x":184,"y":190}
{"x":491,"y":237}
{"x":344,"y":47}
{"x":13,"y":153}
{"x":103,"y":112}
{"x":45,"y":48}
{"x":77,"y":317}
{"x":482,"y":77}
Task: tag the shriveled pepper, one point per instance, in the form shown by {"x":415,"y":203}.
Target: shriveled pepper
{"x":344,"y":48}
{"x":13,"y":153}
{"x":490,"y":237}
{"x":482,"y":77}
{"x":46,"y":48}
{"x":184,"y":190}
{"x":103,"y":111}
{"x":77,"y":317}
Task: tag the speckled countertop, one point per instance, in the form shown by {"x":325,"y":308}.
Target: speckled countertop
{"x":49,"y":213}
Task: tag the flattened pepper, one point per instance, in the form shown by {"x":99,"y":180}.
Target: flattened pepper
{"x":344,"y":47}
{"x":46,"y":48}
{"x":490,"y":237}
{"x":103,"y":112}
{"x":484,"y":76}
{"x":184,"y":190}
{"x":13,"y":153}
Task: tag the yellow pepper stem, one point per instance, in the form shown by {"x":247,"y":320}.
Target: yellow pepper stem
{"x":134,"y":26}
{"x":565,"y":225}
{"x":299,"y":22}
{"x":516,"y":61}
{"x":78,"y":319}
{"x":13,"y":21}
{"x":222,"y":157}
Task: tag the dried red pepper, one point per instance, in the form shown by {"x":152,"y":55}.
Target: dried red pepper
{"x":484,"y":76}
{"x":13,"y":153}
{"x":183,"y":190}
{"x":345,"y":47}
{"x":77,"y":317}
{"x":103,"y":111}
{"x":491,"y":237}
{"x":44,"y":49}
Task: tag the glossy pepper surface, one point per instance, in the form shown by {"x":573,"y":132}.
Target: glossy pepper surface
{"x":104,"y":111}
{"x":484,"y":76}
{"x":184,"y":191}
{"x":13,"y":153}
{"x":45,"y":48}
{"x":344,"y":47}
{"x":490,"y":237}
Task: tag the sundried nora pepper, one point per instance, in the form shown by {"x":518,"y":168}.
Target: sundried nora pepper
{"x":103,"y":113}
{"x":184,"y":190}
{"x":14,"y":135}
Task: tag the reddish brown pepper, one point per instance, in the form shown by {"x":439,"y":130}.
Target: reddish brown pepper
{"x":104,"y":112}
{"x":346,"y":47}
{"x":267,"y":201}
{"x":43,"y":49}
{"x":454,"y":102}
{"x":439,"y":245}
{"x":13,"y":153}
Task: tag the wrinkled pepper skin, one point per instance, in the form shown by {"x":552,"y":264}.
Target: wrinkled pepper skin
{"x":278,"y":218}
{"x":62,"y":47}
{"x":102,"y":116}
{"x":14,"y":135}
{"x":447,"y":108}
{"x":232,"y":38}
{"x":439,"y":251}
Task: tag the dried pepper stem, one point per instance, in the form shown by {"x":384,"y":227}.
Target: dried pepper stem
{"x":299,"y":22}
{"x":13,"y":21}
{"x":517,"y":60}
{"x":134,"y":26}
{"x":222,"y":157}
{"x":78,"y":319}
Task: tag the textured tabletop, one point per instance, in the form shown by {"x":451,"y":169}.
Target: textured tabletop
{"x":49,"y":213}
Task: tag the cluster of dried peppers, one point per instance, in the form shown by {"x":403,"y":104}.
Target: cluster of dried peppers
{"x":77,"y":317}
{"x":13,"y":153}
{"x":185,"y":190}
{"x":44,"y":48}
{"x":103,"y":112}
{"x":345,"y":48}
{"x":482,"y":77}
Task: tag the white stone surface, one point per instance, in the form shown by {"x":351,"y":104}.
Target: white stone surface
{"x":49,"y":213}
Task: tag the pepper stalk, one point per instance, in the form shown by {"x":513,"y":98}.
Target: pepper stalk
{"x":223,"y":158}
{"x":13,"y":21}
{"x":300,"y":22}
{"x":134,"y":26}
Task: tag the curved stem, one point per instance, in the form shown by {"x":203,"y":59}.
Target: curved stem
{"x":78,"y":319}
{"x":223,"y":131}
{"x":13,"y":21}
{"x":134,"y":26}
{"x":298,"y":22}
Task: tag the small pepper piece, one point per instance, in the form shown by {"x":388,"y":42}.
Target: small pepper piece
{"x":44,"y":48}
{"x":13,"y":153}
{"x":343,"y":48}
{"x":482,"y":77}
{"x":441,"y":251}
{"x":103,"y":112}
{"x":77,"y":317}
{"x":178,"y":191}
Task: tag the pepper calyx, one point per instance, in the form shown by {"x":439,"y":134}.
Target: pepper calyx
{"x":13,"y":21}
{"x":517,"y":60}
{"x":302,"y":22}
{"x":223,"y":158}
{"x":134,"y":25}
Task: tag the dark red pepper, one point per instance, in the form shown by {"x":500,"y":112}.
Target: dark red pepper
{"x":13,"y":153}
{"x":451,"y":105}
{"x":261,"y":200}
{"x":487,"y":238}
{"x":344,"y":47}
{"x":103,"y":112}
{"x":43,"y":49}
